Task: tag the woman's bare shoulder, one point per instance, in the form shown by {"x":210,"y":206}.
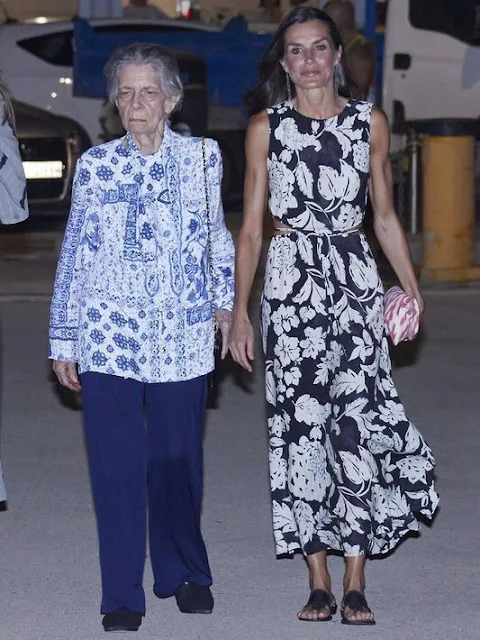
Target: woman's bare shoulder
{"x":379,"y":119}
{"x":259,"y":123}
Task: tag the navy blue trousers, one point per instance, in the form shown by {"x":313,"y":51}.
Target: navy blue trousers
{"x":144,"y":445}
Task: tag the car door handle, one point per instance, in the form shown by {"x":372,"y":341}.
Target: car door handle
{"x":402,"y":61}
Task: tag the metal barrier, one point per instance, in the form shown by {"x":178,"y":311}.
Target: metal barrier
{"x":407,"y":182}
{"x":406,"y":174}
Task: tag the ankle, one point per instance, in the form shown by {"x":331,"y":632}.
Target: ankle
{"x":320,"y":581}
{"x":354,"y":583}
{"x":353,"y":587}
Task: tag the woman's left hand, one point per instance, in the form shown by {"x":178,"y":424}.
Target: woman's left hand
{"x":420,"y":302}
{"x":223,"y":320}
{"x":415,"y":293}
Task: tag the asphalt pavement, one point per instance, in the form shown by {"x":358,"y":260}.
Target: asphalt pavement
{"x":428,"y":589}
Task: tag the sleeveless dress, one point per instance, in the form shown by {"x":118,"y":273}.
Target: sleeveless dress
{"x":348,"y":470}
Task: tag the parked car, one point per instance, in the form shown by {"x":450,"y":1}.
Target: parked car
{"x":37,"y":62}
{"x":49,"y":146}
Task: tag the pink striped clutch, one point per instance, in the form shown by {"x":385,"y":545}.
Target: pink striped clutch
{"x":402,"y":316}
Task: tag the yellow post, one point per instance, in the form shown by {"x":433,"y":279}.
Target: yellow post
{"x":448,"y":209}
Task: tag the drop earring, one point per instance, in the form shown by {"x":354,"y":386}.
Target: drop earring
{"x":338,"y":78}
{"x":289,"y":89}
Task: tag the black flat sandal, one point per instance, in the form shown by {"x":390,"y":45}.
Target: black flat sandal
{"x":318,"y":601}
{"x":357,"y":603}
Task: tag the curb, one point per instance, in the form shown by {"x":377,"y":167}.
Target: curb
{"x":8,"y":298}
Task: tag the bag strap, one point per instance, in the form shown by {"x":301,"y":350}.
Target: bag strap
{"x":209,"y":222}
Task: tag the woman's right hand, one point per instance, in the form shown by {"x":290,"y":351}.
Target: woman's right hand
{"x":67,"y":375}
{"x":241,"y":342}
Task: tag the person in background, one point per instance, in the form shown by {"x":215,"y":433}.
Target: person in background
{"x":360,"y":7}
{"x":305,"y":3}
{"x":359,"y":52}
{"x":270,"y":11}
{"x":13,"y":189}
{"x":142,"y":9}
{"x":145,"y":273}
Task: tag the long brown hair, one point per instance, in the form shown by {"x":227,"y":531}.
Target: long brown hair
{"x":6,"y":96}
{"x":272,"y":87}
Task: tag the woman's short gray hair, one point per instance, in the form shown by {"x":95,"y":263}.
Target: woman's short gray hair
{"x":145,"y":53}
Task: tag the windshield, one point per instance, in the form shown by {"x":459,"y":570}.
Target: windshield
{"x":457,"y":18}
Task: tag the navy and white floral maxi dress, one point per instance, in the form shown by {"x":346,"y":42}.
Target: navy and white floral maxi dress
{"x":348,"y":470}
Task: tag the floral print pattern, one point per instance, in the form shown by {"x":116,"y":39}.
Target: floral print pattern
{"x":348,"y":470}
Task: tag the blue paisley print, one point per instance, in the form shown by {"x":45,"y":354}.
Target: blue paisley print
{"x":133,"y":295}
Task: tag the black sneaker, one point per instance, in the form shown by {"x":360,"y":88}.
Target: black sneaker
{"x":122,"y":620}
{"x":194,"y":598}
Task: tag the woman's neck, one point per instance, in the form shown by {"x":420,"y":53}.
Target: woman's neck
{"x":148,"y":143}
{"x":319,"y":104}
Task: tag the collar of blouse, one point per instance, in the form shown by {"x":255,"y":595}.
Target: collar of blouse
{"x":164,"y":149}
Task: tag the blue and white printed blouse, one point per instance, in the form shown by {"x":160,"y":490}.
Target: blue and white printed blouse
{"x":133,"y":292}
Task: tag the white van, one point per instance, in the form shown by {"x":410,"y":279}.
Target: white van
{"x":432,"y":59}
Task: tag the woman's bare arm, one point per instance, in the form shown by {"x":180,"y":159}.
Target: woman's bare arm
{"x":387,"y":226}
{"x":249,"y":242}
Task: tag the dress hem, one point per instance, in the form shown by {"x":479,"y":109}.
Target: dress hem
{"x":387,"y":548}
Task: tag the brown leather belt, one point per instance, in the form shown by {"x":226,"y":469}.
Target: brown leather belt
{"x":286,"y":231}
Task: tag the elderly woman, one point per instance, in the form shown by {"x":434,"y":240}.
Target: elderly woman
{"x":145,"y":271}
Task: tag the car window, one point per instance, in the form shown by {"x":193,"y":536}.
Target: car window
{"x":55,"y":48}
{"x":459,"y":18}
{"x":141,"y":28}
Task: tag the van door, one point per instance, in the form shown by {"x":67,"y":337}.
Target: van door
{"x":432,"y":59}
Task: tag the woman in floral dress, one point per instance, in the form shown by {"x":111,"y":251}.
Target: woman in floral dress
{"x":349,"y":472}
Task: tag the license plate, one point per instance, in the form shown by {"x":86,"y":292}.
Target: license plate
{"x":47,"y":170}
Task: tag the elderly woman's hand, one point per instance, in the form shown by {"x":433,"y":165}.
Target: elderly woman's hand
{"x":242,"y":342}
{"x":67,"y":375}
{"x":223,"y":320}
